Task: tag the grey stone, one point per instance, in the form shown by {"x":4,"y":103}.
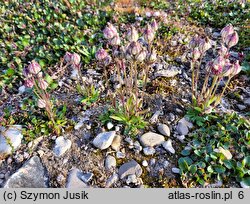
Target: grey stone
{"x":110,"y":162}
{"x":61,"y":146}
{"x":164,"y":129}
{"x":78,"y":125}
{"x":131,"y":179}
{"x":74,"y":179}
{"x":247,"y":102}
{"x":152,"y":162}
{"x":13,"y":135}
{"x":120,"y":155}
{"x":241,"y":107}
{"x":87,"y":177}
{"x":131,"y":167}
{"x":168,"y":146}
{"x":30,"y":175}
{"x":2,"y":176}
{"x":148,"y":151}
{"x":104,"y":140}
{"x":183,"y":126}
{"x":151,"y":139}
{"x":176,"y":170}
{"x":116,"y":143}
{"x":112,"y":180}
{"x":167,"y":73}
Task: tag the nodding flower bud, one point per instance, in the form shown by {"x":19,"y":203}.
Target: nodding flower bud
{"x":132,"y":34}
{"x":218,"y":65}
{"x":34,"y":67}
{"x":196,"y":54}
{"x":41,"y":103}
{"x":236,"y":68}
{"x":67,"y":57}
{"x":228,"y":30}
{"x":228,"y":68}
{"x":223,"y":51}
{"x":134,"y":48}
{"x":152,"y":56}
{"x":149,"y":34}
{"x":43,"y":84}
{"x":101,"y":54}
{"x":26,"y":72}
{"x":29,"y":83}
{"x":141,"y":56}
{"x":204,"y":45}
{"x":154,"y":25}
{"x":115,"y":41}
{"x":110,"y":31}
{"x":232,"y":40}
{"x":75,"y":59}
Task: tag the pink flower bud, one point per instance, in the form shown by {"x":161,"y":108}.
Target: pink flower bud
{"x":43,"y":84}
{"x":228,"y":69}
{"x":115,"y":41}
{"x":75,"y":59}
{"x":223,"y":51}
{"x":132,"y":34}
{"x":149,"y":34}
{"x":152,"y":56}
{"x":196,"y":54}
{"x":141,"y":56}
{"x":101,"y":54}
{"x":29,"y":83}
{"x":205,"y":45}
{"x":228,"y":30}
{"x":34,"y":67}
{"x":218,"y":65}
{"x":67,"y":57}
{"x":232,"y":40}
{"x":154,"y":25}
{"x":41,"y":103}
{"x":236,"y":68}
{"x":110,"y":31}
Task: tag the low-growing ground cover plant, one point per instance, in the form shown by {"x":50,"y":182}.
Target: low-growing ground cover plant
{"x":219,"y":150}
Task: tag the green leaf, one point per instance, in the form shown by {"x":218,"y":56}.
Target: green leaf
{"x":210,"y":169}
{"x":246,"y":161}
{"x":201,"y":164}
{"x":228,"y":164}
{"x":183,"y":165}
{"x":219,"y":169}
{"x":185,"y":152}
{"x":116,"y":118}
{"x":193,"y":169}
{"x":48,"y":79}
{"x":246,"y":181}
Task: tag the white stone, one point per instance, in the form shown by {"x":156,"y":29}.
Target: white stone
{"x":12,"y":135}
{"x":175,"y":170}
{"x":110,"y":125}
{"x":104,"y":140}
{"x":144,"y":163}
{"x":62,"y":145}
{"x":168,"y":146}
{"x":151,"y":139}
{"x":110,"y":162}
{"x":21,"y":89}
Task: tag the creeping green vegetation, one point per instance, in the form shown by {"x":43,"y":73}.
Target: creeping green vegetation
{"x":219,"y":150}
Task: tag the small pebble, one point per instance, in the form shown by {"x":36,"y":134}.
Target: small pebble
{"x":144,"y":163}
